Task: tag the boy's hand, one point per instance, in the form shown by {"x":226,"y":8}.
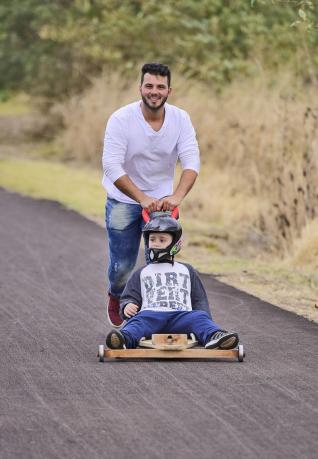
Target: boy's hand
{"x":131,"y":309}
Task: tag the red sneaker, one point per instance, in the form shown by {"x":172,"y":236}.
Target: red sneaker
{"x":113,"y":311}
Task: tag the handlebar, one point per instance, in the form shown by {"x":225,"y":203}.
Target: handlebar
{"x":146,"y":216}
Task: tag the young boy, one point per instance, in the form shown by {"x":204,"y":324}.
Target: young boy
{"x":166,"y":296}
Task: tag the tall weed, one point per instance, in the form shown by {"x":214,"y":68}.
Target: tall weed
{"x":259,"y":148}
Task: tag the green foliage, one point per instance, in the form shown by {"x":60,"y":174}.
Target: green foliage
{"x":35,"y":51}
{"x":54,"y":48}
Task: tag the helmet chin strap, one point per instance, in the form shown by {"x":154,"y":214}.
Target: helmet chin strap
{"x":160,"y":256}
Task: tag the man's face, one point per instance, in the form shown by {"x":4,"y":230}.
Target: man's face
{"x":159,"y":240}
{"x":154,"y":91}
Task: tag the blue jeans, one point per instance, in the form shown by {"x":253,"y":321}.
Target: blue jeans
{"x":147,"y":322}
{"x":124,"y":224}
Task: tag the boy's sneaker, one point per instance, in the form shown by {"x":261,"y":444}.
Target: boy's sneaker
{"x":113,"y":311}
{"x":223,"y":340}
{"x":115,"y":340}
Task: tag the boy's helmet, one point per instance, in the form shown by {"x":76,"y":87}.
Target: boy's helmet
{"x":163,"y":224}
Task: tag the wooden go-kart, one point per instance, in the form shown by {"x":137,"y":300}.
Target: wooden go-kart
{"x":170,"y":346}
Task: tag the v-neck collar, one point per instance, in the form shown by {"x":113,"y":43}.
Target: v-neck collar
{"x":153,"y":132}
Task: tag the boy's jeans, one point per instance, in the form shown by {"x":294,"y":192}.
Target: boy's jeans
{"x":124,"y":224}
{"x":147,"y":322}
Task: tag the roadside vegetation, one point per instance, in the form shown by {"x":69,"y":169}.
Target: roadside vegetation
{"x":53,"y":49}
{"x":246,"y":71}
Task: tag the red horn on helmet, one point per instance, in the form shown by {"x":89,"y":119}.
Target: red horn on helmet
{"x":146,"y":217}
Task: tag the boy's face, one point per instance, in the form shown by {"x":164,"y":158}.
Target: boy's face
{"x":159,"y":240}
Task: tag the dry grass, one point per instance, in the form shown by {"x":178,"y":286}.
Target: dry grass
{"x":304,"y":253}
{"x":260,"y":162}
{"x":259,"y":145}
{"x":85,"y":117}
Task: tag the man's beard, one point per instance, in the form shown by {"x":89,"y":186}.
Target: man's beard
{"x":156,"y":108}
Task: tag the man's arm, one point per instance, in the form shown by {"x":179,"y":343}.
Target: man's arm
{"x":114,"y":152}
{"x":187,"y":179}
{"x":127,"y":186}
{"x":189,"y":156}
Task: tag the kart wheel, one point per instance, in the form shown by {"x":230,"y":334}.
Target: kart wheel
{"x":241,"y":353}
{"x":101,"y":352}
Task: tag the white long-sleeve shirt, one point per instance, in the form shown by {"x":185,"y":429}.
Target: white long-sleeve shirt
{"x":147,"y":156}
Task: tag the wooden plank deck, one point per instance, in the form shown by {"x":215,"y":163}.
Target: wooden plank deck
{"x":196,"y":353}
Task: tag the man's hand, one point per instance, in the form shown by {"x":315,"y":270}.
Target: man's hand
{"x":170,"y":202}
{"x":150,"y":204}
{"x":130,"y":310}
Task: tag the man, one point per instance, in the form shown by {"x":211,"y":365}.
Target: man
{"x":143,"y":142}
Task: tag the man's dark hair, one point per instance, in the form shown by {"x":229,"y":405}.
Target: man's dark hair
{"x":154,"y":68}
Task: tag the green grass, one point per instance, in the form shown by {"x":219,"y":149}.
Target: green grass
{"x":76,"y":188}
{"x":15,"y":106}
